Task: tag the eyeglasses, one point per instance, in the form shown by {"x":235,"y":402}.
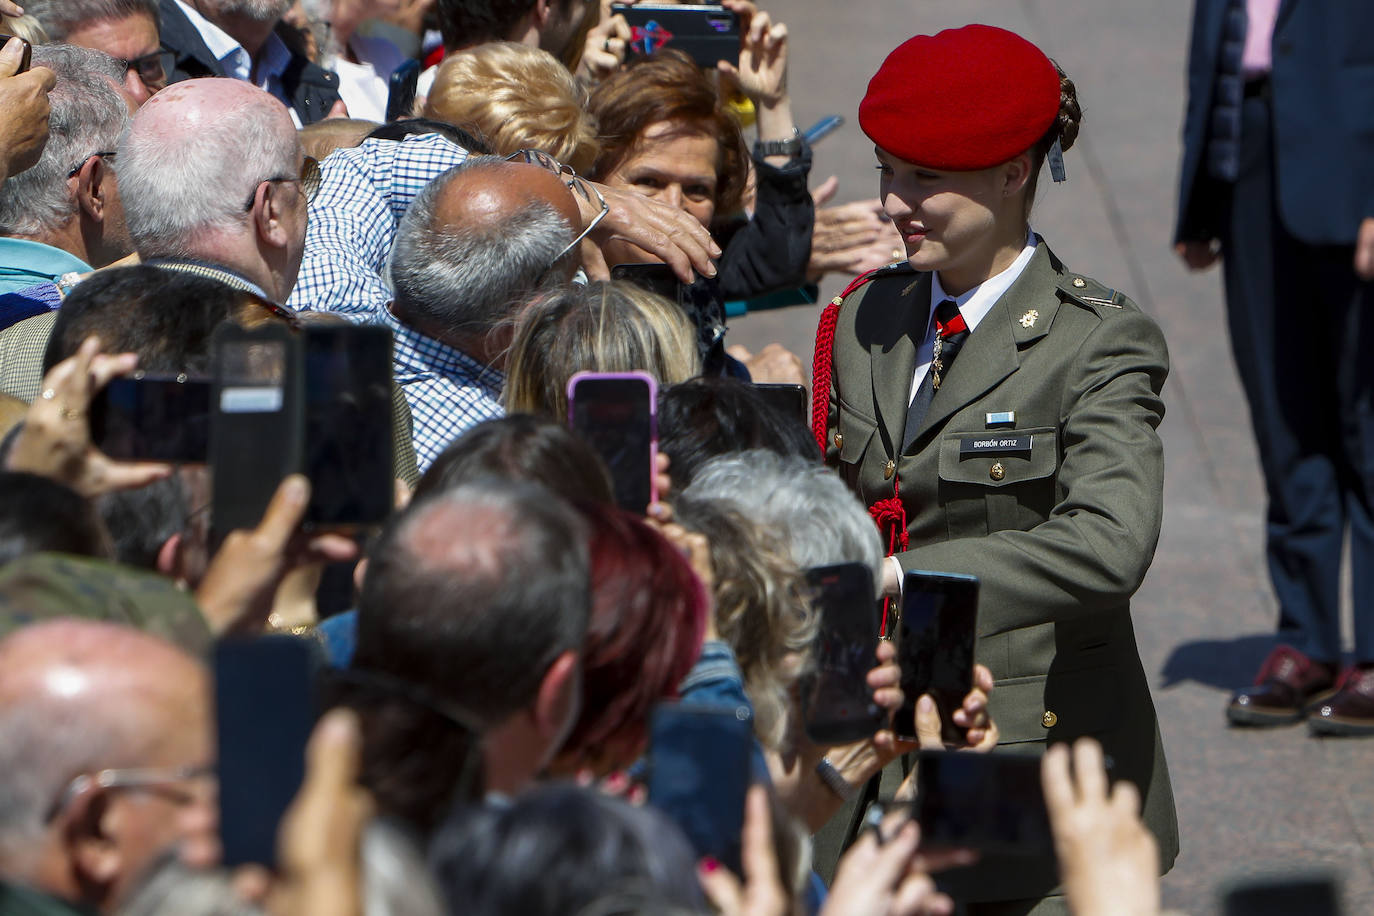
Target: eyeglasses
{"x":309,"y":179}
{"x":147,"y":778}
{"x":108,"y":154}
{"x":151,"y":68}
{"x":579,"y":186}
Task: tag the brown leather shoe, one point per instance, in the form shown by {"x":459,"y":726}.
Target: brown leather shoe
{"x":1350,"y":710}
{"x":1287,"y":684}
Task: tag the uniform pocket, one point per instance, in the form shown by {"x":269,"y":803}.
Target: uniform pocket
{"x":1056,"y":707}
{"x":852,"y":436}
{"x":997,"y":480}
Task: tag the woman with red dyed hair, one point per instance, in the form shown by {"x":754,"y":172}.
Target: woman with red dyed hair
{"x":648,"y":620}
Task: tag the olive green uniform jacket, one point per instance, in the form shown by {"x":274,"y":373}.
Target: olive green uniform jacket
{"x":1060,"y":535}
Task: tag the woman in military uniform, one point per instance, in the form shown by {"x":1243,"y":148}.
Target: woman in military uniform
{"x":998,"y":413}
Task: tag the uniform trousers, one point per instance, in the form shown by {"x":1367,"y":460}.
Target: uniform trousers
{"x":1302,"y":331}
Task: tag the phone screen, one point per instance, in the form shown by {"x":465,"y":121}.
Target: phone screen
{"x":836,"y":700}
{"x":988,"y":802}
{"x":253,"y":427}
{"x":936,"y":637}
{"x":348,"y":445}
{"x":699,"y":774}
{"x":789,"y":399}
{"x":153,"y":418}
{"x":264,"y":712}
{"x":615,"y":414}
{"x":707,"y":33}
{"x":1312,"y":894}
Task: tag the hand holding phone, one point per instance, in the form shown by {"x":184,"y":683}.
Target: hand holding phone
{"x":25,"y":53}
{"x":153,"y":418}
{"x":936,"y":637}
{"x":708,"y":33}
{"x":616,"y":413}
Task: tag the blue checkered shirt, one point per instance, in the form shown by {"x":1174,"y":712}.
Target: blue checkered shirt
{"x":363,"y":194}
{"x":448,"y":391}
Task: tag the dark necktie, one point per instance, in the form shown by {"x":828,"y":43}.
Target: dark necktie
{"x":950,"y":334}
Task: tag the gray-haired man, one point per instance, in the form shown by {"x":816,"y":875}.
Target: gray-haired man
{"x":127,"y":30}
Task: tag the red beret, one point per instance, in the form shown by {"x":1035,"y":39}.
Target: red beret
{"x":961,"y":100}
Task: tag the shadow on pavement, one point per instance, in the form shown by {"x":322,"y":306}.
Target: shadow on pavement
{"x":1223,"y":663}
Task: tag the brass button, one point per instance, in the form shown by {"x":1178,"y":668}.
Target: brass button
{"x":839,"y":440}
{"x":997,"y":472}
{"x":889,"y":469}
{"x":1079,"y":282}
{"x":1049,"y":719}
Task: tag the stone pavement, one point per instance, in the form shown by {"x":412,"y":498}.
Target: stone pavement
{"x":1250,"y":803}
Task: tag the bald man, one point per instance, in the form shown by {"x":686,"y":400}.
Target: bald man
{"x":104,"y":740}
{"x":212,"y":172}
{"x":477,"y":245}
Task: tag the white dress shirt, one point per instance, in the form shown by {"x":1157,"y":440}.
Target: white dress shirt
{"x":273,"y":58}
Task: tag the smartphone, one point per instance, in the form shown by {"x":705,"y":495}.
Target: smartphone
{"x":935,"y":637}
{"x":699,"y":766}
{"x":837,"y":703}
{"x":153,"y":418}
{"x":823,"y":128}
{"x":400,"y":100}
{"x":656,"y":278}
{"x":26,"y":59}
{"x":254,"y":418}
{"x":1312,"y":894}
{"x":989,"y":802}
{"x":791,"y":400}
{"x":264,"y":712}
{"x":616,"y":413}
{"x":347,"y":444}
{"x":708,"y":33}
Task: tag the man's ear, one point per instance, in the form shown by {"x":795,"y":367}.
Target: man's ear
{"x":89,"y":836}
{"x":93,"y":188}
{"x":541,"y":12}
{"x":559,"y":699}
{"x":169,"y":556}
{"x":269,"y":208}
{"x":1015,"y":174}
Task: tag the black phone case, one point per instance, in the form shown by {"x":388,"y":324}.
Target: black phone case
{"x":927,"y":650}
{"x":708,"y":33}
{"x":153,"y":418}
{"x":842,"y":655}
{"x":402,"y":86}
{"x":265,"y":709}
{"x":989,"y":802}
{"x":699,"y":773}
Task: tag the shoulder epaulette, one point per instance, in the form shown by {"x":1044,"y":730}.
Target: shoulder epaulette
{"x":1089,"y":292}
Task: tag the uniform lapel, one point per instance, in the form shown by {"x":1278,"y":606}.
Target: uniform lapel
{"x":993,"y":351}
{"x":893,"y":354}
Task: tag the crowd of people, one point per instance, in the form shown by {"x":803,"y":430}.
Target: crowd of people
{"x":493,"y":660}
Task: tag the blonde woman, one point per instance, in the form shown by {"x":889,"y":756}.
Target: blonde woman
{"x":518,"y":97}
{"x":600,"y":327}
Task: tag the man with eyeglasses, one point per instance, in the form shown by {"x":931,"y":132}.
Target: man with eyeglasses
{"x":477,"y":245}
{"x":127,"y":30}
{"x":105,"y":747}
{"x":64,"y":216}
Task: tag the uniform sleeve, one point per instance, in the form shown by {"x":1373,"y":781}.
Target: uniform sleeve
{"x":1094,"y":549}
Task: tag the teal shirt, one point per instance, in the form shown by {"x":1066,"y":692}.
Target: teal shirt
{"x":24,"y":263}
{"x":21,"y":901}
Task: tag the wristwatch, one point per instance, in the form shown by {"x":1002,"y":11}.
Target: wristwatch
{"x":789,"y":147}
{"x":834,"y":781}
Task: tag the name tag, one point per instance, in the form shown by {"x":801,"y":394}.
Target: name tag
{"x":999,"y":445}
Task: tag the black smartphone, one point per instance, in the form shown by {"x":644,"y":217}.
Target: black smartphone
{"x":656,"y":278}
{"x":153,"y":418}
{"x":791,"y":400}
{"x":989,"y":802}
{"x":254,"y":421}
{"x":264,"y":712}
{"x":708,"y":33}
{"x":1311,"y":894}
{"x":935,"y":640}
{"x":837,"y":703}
{"x":400,"y":100}
{"x":26,"y":59}
{"x":347,"y":443}
{"x":699,"y":766}
{"x":616,"y":413}
{"x":823,"y":128}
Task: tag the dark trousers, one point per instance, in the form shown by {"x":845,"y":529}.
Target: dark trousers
{"x":1303,"y":335}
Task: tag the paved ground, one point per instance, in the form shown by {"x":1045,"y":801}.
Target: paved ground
{"x":1249,"y":803}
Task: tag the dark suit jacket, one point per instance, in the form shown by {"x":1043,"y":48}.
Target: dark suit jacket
{"x":1323,"y":120}
{"x":311,"y":89}
{"x":1060,"y":535}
